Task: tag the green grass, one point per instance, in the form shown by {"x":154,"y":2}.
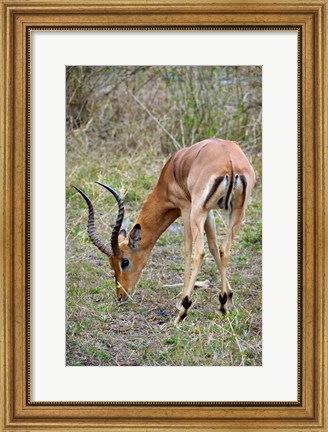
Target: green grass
{"x":101,"y":331}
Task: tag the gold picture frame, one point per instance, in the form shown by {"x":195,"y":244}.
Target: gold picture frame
{"x":310,"y":412}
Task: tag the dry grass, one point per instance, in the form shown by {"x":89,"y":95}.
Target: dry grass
{"x":112,"y":137}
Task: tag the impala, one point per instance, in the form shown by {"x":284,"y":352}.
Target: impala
{"x":211,"y":174}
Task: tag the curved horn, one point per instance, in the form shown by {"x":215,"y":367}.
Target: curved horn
{"x":119,"y":220}
{"x":91,"y":226}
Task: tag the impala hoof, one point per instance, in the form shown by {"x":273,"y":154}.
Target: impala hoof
{"x":223,"y":310}
{"x":179,"y":318}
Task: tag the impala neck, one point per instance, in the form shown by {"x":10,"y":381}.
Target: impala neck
{"x":155,"y":217}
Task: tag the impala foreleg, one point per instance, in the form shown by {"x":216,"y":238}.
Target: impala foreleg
{"x":210,"y":229}
{"x":187,"y":248}
{"x":197,"y":221}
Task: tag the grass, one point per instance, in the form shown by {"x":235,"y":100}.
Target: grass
{"x":100,"y":331}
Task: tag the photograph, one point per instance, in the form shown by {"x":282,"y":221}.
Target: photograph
{"x":164,"y":215}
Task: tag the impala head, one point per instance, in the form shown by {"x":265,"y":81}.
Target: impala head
{"x":122,"y":254}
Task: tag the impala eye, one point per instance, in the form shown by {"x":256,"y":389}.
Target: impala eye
{"x":124,"y":263}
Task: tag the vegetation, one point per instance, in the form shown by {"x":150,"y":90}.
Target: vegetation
{"x":122,"y":125}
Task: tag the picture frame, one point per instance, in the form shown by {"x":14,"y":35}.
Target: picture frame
{"x":17,"y":410}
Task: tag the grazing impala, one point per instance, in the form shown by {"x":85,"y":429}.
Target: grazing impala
{"x":212,"y":174}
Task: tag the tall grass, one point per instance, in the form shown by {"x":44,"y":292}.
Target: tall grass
{"x":122,"y":124}
{"x":170,"y":106}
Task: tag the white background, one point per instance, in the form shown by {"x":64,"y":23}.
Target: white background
{"x":276,"y":379}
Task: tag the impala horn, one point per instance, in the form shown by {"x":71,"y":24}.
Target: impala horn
{"x":91,"y":224}
{"x":119,"y":220}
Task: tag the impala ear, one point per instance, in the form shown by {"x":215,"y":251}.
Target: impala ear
{"x":135,"y":237}
{"x":122,"y":235}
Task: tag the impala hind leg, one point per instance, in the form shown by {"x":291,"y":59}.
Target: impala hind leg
{"x":210,"y":230}
{"x":236,"y":219}
{"x":197,"y":220}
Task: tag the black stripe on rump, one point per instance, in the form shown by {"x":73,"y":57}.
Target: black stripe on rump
{"x":232,"y":180}
{"x":216,"y":184}
{"x":244,"y":182}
